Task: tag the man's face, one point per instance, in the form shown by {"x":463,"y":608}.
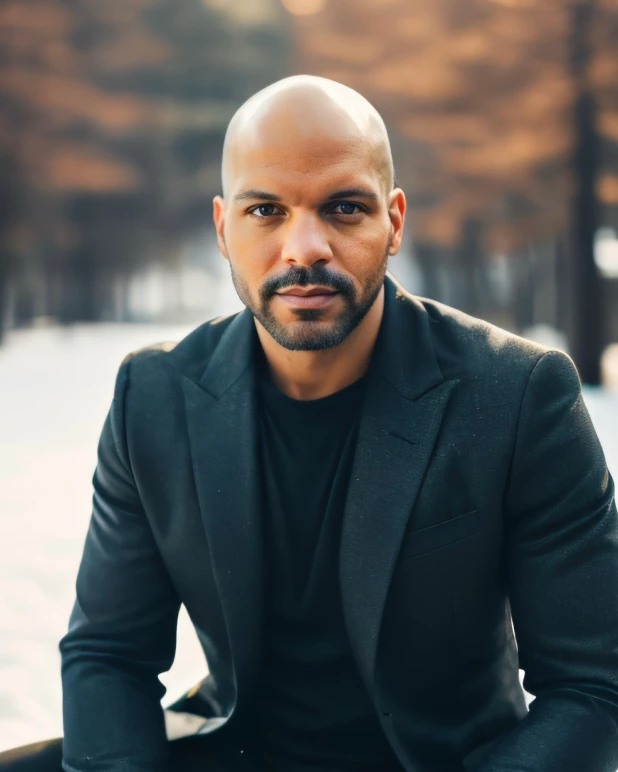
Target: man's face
{"x":307,"y":228}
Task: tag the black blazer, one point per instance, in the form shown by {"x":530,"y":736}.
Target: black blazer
{"x":479,"y":490}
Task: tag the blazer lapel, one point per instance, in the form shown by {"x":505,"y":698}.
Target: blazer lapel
{"x":222,"y":425}
{"x":401,"y":418}
{"x":404,"y":406}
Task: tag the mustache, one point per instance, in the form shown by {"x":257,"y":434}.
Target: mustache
{"x":301,"y":277}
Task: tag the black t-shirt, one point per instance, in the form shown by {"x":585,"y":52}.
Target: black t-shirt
{"x":311,"y":709}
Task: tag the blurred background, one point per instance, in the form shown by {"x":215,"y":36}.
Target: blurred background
{"x":503,"y":117}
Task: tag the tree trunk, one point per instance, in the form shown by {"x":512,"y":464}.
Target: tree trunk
{"x":427,"y":258}
{"x":3,"y":294}
{"x":523,"y":296}
{"x":470,"y":258}
{"x":586,"y":318}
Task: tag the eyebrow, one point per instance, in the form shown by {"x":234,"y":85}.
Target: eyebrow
{"x":353,"y":193}
{"x":253,"y":194}
{"x":249,"y":195}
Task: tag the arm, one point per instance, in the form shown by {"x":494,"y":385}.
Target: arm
{"x":562,"y":557}
{"x":122,"y":632}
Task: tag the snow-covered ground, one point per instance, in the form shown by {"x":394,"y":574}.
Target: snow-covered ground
{"x":55,"y":388}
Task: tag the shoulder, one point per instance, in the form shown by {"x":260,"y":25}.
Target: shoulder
{"x":469,"y":344}
{"x":150,"y":377}
{"x":189,"y":356}
{"x":498,"y":364}
{"x":152,"y":349}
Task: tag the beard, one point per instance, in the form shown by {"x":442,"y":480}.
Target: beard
{"x":309,"y":332}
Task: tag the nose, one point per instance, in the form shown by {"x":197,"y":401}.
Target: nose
{"x":305,"y":241}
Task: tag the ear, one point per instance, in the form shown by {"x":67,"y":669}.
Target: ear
{"x":218,"y":215}
{"x":396,"y":213}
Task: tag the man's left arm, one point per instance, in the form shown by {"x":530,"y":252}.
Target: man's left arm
{"x":561,"y":531}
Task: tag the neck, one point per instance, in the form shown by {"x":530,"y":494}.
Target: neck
{"x":314,"y":374}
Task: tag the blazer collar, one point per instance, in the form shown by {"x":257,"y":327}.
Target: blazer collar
{"x":234,"y":355}
{"x":404,"y":406}
{"x":404,"y":353}
{"x":222,"y":426}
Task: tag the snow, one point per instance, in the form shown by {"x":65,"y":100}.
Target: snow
{"x":55,"y":388}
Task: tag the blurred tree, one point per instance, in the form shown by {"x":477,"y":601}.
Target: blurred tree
{"x":586,"y":328}
{"x":10,"y":196}
{"x":504,"y":122}
{"x":113,"y":116}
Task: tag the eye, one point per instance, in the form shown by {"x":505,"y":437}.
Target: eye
{"x":263,"y":210}
{"x":346,"y":207}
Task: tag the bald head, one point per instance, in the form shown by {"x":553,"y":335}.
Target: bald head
{"x":308,"y":199}
{"x":300,"y":116}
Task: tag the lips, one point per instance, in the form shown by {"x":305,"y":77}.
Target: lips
{"x":307,"y":297}
{"x":305,"y":292}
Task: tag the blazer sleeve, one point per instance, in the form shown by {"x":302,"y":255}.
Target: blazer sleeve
{"x":562,"y":561}
{"x":122,"y":631}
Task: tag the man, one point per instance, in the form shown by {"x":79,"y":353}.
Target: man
{"x":353,"y":491}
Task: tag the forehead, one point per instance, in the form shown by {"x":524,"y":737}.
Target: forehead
{"x":311,"y":163}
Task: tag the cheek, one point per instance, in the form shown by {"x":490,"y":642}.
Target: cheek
{"x":361,"y":256}
{"x":252,"y":256}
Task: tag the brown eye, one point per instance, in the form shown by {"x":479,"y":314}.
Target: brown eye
{"x":346,"y":207}
{"x":264,"y":210}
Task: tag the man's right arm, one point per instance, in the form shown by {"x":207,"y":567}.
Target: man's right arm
{"x":122,"y":632}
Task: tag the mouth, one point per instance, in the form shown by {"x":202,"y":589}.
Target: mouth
{"x":307,"y":297}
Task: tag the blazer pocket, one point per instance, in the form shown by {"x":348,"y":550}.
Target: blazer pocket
{"x":448,"y":532}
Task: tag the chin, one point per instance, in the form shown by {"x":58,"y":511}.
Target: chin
{"x":308,"y":336}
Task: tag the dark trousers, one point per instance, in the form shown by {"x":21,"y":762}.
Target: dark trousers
{"x":190,"y":754}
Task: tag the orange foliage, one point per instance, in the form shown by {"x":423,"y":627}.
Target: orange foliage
{"x":84,"y":167}
{"x":41,"y":18}
{"x":68,"y":99}
{"x":482,"y":89}
{"x":608,"y":188}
